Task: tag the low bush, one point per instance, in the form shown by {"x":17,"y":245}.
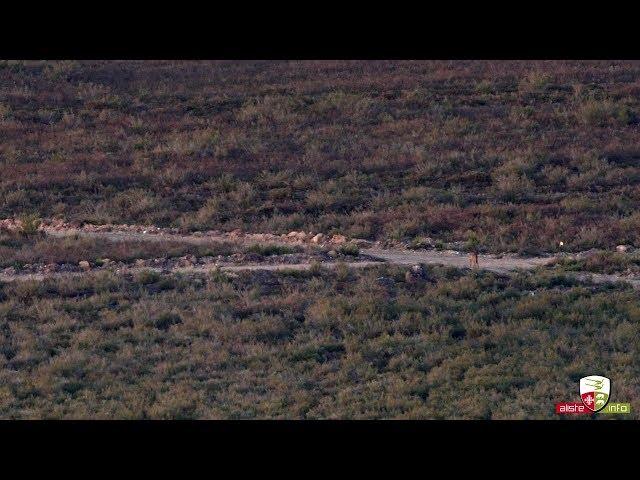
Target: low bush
{"x":349,"y":249}
{"x":602,"y":262}
{"x":519,"y":152}
{"x":29,"y":224}
{"x":344,"y":343}
{"x":16,"y":248}
{"x":605,"y":112}
{"x":272,"y":249}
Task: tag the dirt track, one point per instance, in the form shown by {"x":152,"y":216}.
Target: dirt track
{"x":377,"y":255}
{"x":494,"y":263}
{"x":398,"y":256}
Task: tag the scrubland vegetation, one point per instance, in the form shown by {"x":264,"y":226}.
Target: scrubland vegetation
{"x":17,"y":249}
{"x":525,"y":154}
{"x":319,"y":344}
{"x":505,"y":156}
{"x":603,"y":262}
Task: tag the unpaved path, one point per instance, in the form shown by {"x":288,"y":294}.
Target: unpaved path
{"x":496,"y":263}
{"x":399,"y":256}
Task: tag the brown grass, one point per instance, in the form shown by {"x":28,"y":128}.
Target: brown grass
{"x":524,"y":153}
{"x":320,"y":344}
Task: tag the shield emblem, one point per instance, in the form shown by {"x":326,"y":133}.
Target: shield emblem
{"x":595,"y":391}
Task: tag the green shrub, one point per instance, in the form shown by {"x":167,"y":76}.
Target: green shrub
{"x":484,"y":87}
{"x":446,"y":149}
{"x":4,"y":111}
{"x":513,"y":187}
{"x":350,"y":249}
{"x":166,"y":321}
{"x":419,"y":243}
{"x":360,"y":343}
{"x":272,"y":249}
{"x":147,"y":277}
{"x":29,"y":224}
{"x":473,"y":242}
{"x":535,"y":81}
{"x":601,"y":113}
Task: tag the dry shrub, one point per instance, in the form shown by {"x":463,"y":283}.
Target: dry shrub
{"x":600,"y":113}
{"x":29,"y":224}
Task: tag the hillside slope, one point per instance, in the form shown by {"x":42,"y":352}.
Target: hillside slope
{"x":525,"y":154}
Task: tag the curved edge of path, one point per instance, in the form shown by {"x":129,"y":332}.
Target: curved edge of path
{"x":502,"y":264}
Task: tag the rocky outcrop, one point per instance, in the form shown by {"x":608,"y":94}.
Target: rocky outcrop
{"x":338,"y":239}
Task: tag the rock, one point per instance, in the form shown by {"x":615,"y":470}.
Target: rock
{"x":338,"y":239}
{"x":293,"y":234}
{"x":318,"y":238}
{"x":9,"y":224}
{"x":105,"y":262}
{"x":140,"y":262}
{"x":301,"y":236}
{"x":332,"y":253}
{"x":622,"y":248}
{"x":84,"y":265}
